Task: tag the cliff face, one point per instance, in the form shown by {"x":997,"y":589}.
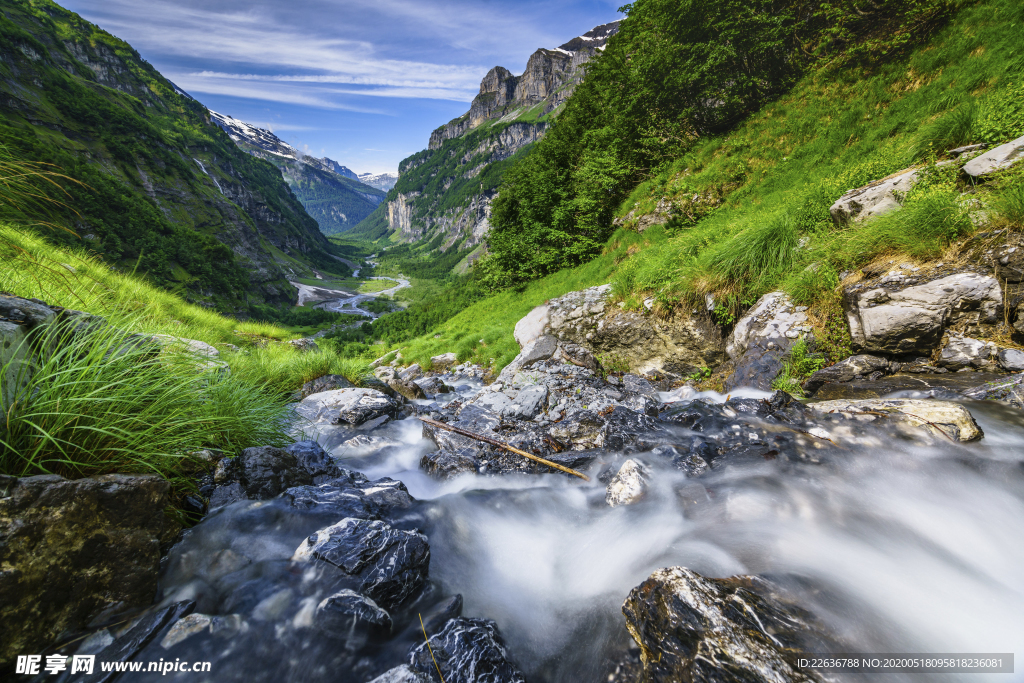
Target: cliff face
{"x":162,"y":188}
{"x":549,"y":79}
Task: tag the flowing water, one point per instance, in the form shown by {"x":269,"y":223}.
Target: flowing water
{"x":899,"y":547}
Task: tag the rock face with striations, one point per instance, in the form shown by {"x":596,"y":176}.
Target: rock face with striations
{"x":74,"y":550}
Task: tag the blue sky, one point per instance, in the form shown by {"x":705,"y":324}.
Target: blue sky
{"x":361,"y":81}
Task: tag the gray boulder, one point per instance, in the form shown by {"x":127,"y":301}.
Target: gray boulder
{"x":305,"y":345}
{"x":412,"y":372}
{"x":762,"y":338}
{"x":16,"y":357}
{"x":912,"y":319}
{"x":874,"y":199}
{"x":443,"y":362}
{"x":351,"y":406}
{"x":29,"y":312}
{"x":530,"y":401}
{"x":262,"y":472}
{"x":951,"y":420}
{"x":628,"y":486}
{"x":402,"y":674}
{"x":848,"y":370}
{"x":346,"y":613}
{"x":73,"y":550}
{"x":964,"y":352}
{"x":1011,"y":360}
{"x":1009,"y":391}
{"x":325,"y":383}
{"x":996,"y":159}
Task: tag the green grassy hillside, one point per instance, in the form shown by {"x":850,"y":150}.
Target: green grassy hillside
{"x":160,"y":189}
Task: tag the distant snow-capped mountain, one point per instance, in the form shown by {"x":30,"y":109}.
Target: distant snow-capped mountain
{"x":242,"y":132}
{"x":382,"y":181}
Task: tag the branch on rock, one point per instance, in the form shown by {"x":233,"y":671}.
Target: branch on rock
{"x":499,"y":444}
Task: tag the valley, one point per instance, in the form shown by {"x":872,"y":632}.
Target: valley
{"x":694,"y":352}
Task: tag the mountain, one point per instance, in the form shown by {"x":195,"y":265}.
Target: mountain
{"x":443,"y":194}
{"x":331,"y":193}
{"x":159,"y":188}
{"x":383,"y":181}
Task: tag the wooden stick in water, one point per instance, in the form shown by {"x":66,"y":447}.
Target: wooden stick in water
{"x":499,"y":444}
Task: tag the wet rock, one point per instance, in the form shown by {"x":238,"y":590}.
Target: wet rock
{"x":847,"y":370}
{"x":443,"y":362}
{"x":530,"y":401}
{"x":412,"y":372}
{"x":741,"y":629}
{"x":264,"y":472}
{"x":71,"y":550}
{"x":963,"y":352}
{"x":1009,"y":391}
{"x":146,"y":630}
{"x":31,"y":313}
{"x":762,"y":338}
{"x":324,"y":384}
{"x":583,"y":430}
{"x":472,"y":418}
{"x":466,"y":651}
{"x":391,"y":564}
{"x":874,"y":199}
{"x":996,"y":159}
{"x":628,"y":486}
{"x":351,"y":406}
{"x":407,"y":388}
{"x":347,"y":612}
{"x":445,"y":464}
{"x":1011,"y":360}
{"x":432,"y":386}
{"x":949,"y":419}
{"x":401,"y":674}
{"x":311,"y":457}
{"x":912,"y":319}
{"x":359,"y":499}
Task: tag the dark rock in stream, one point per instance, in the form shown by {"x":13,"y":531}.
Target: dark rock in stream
{"x":1008,"y":390}
{"x":742,"y":629}
{"x":347,"y":612}
{"x":391,"y":564}
{"x":466,"y":651}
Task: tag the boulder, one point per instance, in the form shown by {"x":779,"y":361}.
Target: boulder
{"x":391,"y":564}
{"x":762,"y":338}
{"x":351,"y":406}
{"x":530,"y":401}
{"x":894,"y":320}
{"x":192,"y":347}
{"x":532,"y":326}
{"x":1009,"y":391}
{"x":949,"y":419}
{"x":262,"y":472}
{"x":432,"y":386}
{"x":407,"y":389}
{"x":31,"y":313}
{"x":691,"y":628}
{"x":150,"y":628}
{"x":443,"y":362}
{"x":1011,"y":360}
{"x":874,"y":199}
{"x":446,"y":464}
{"x":466,"y":651}
{"x":325,"y":383}
{"x":412,"y":372}
{"x":848,"y":370}
{"x":347,"y":612}
{"x":305,"y":345}
{"x":963,"y":352}
{"x":628,"y":486}
{"x":996,"y":159}
{"x":73,"y":550}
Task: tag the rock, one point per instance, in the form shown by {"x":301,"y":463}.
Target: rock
{"x":385,"y":373}
{"x":445,"y":464}
{"x":16,"y":358}
{"x":443,"y":362}
{"x":762,"y":338}
{"x":1009,"y":391}
{"x":741,"y":629}
{"x":192,"y":347}
{"x":324,"y":384}
{"x":316,"y":461}
{"x":495,"y":402}
{"x":401,"y":674}
{"x":996,"y":159}
{"x":407,"y":389}
{"x":264,"y":472}
{"x":540,"y":348}
{"x":950,"y":419}
{"x":439,"y":615}
{"x":1011,"y":360}
{"x":352,"y":406}
{"x":432,"y":386}
{"x":532,"y":326}
{"x":473,"y":418}
{"x":911,"y":320}
{"x":31,"y":313}
{"x":530,"y":401}
{"x":466,"y":651}
{"x":874,"y":199}
{"x":581,"y":431}
{"x":412,"y":372}
{"x":628,"y":486}
{"x":347,"y":612}
{"x":962,"y":352}
{"x":391,"y":564}
{"x":847,"y":370}
{"x":71,"y":550}
{"x":145,"y":631}
{"x":304,"y":345}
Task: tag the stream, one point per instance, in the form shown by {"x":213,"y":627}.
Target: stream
{"x":898,"y":545}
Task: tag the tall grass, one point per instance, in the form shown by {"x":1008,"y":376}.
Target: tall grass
{"x":102,"y":402}
{"x":280,"y":369}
